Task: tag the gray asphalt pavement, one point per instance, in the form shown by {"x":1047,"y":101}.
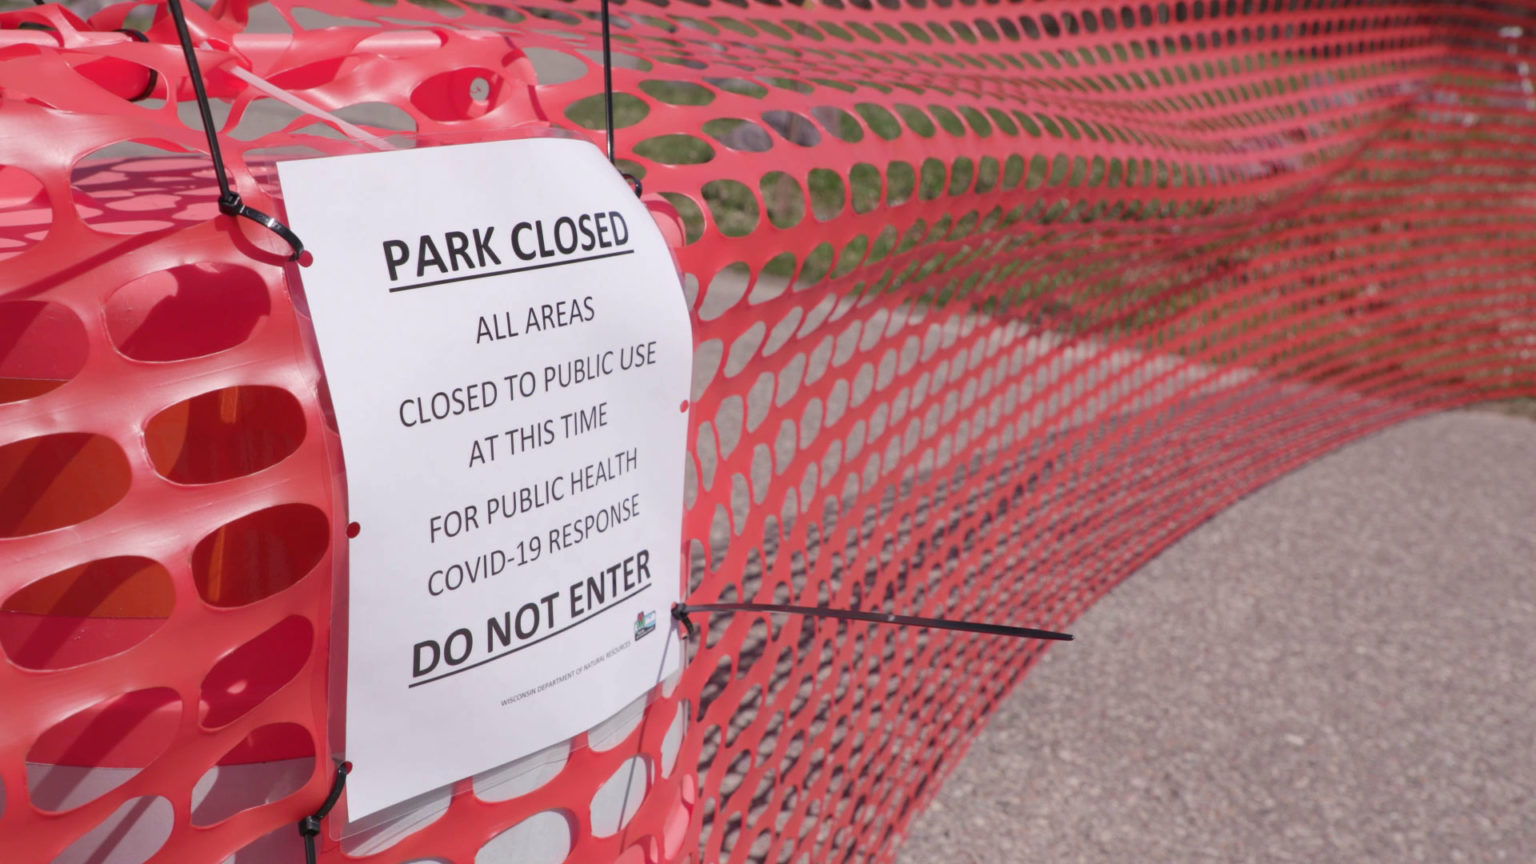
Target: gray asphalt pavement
{"x":1340,"y":668}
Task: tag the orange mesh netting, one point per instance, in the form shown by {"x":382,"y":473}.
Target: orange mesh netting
{"x":992,"y":303}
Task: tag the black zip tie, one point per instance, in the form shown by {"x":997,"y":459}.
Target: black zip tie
{"x":135,"y":35}
{"x":309,"y":826}
{"x":230,"y":203}
{"x":154,"y":75}
{"x":634,"y":182}
{"x":682,"y":611}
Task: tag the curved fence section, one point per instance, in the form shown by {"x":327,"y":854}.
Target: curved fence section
{"x":992,"y":302}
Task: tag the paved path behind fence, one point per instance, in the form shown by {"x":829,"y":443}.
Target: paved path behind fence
{"x":1340,"y":668}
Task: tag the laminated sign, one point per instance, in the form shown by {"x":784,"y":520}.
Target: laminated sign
{"x":509,"y":354}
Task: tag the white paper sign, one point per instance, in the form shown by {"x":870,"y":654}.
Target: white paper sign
{"x":508,"y":350}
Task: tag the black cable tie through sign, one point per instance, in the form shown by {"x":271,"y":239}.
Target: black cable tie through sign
{"x":230,"y":203}
{"x":309,"y":826}
{"x":681,"y":612}
{"x":634,"y":182}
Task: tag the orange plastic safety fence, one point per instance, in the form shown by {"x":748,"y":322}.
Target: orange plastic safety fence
{"x":992,"y":303}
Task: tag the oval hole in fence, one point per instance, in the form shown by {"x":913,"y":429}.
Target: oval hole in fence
{"x":675,"y":150}
{"x":934,"y":176}
{"x":42,"y":347}
{"x":987,"y":172}
{"x":259,"y":554}
{"x":739,"y":86}
{"x":131,"y":835}
{"x":677,"y":92}
{"x":688,"y":210}
{"x":122,"y":78}
{"x":556,"y":67}
{"x":976,"y":120}
{"x":320,"y":72}
{"x":880,"y":121}
{"x":783,"y":199}
{"x":916,"y":120}
{"x":901,"y":182}
{"x":591,"y":112}
{"x":386,"y":117}
{"x":947,"y":120}
{"x":618,"y":799}
{"x":134,"y":187}
{"x":1002,"y":121}
{"x":460,"y":94}
{"x":839,"y":123}
{"x":224,"y":434}
{"x":85,"y":613}
{"x":189,"y":311}
{"x":672,"y":742}
{"x":738,"y":134}
{"x":795,"y":128}
{"x":866,"y":184}
{"x":98,"y":749}
{"x":248,"y":675}
{"x":543,"y":838}
{"x":268,"y":765}
{"x":58,"y":480}
{"x":733,"y":206}
{"x":962,"y":171}
{"x":25,"y":216}
{"x":828,"y":194}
